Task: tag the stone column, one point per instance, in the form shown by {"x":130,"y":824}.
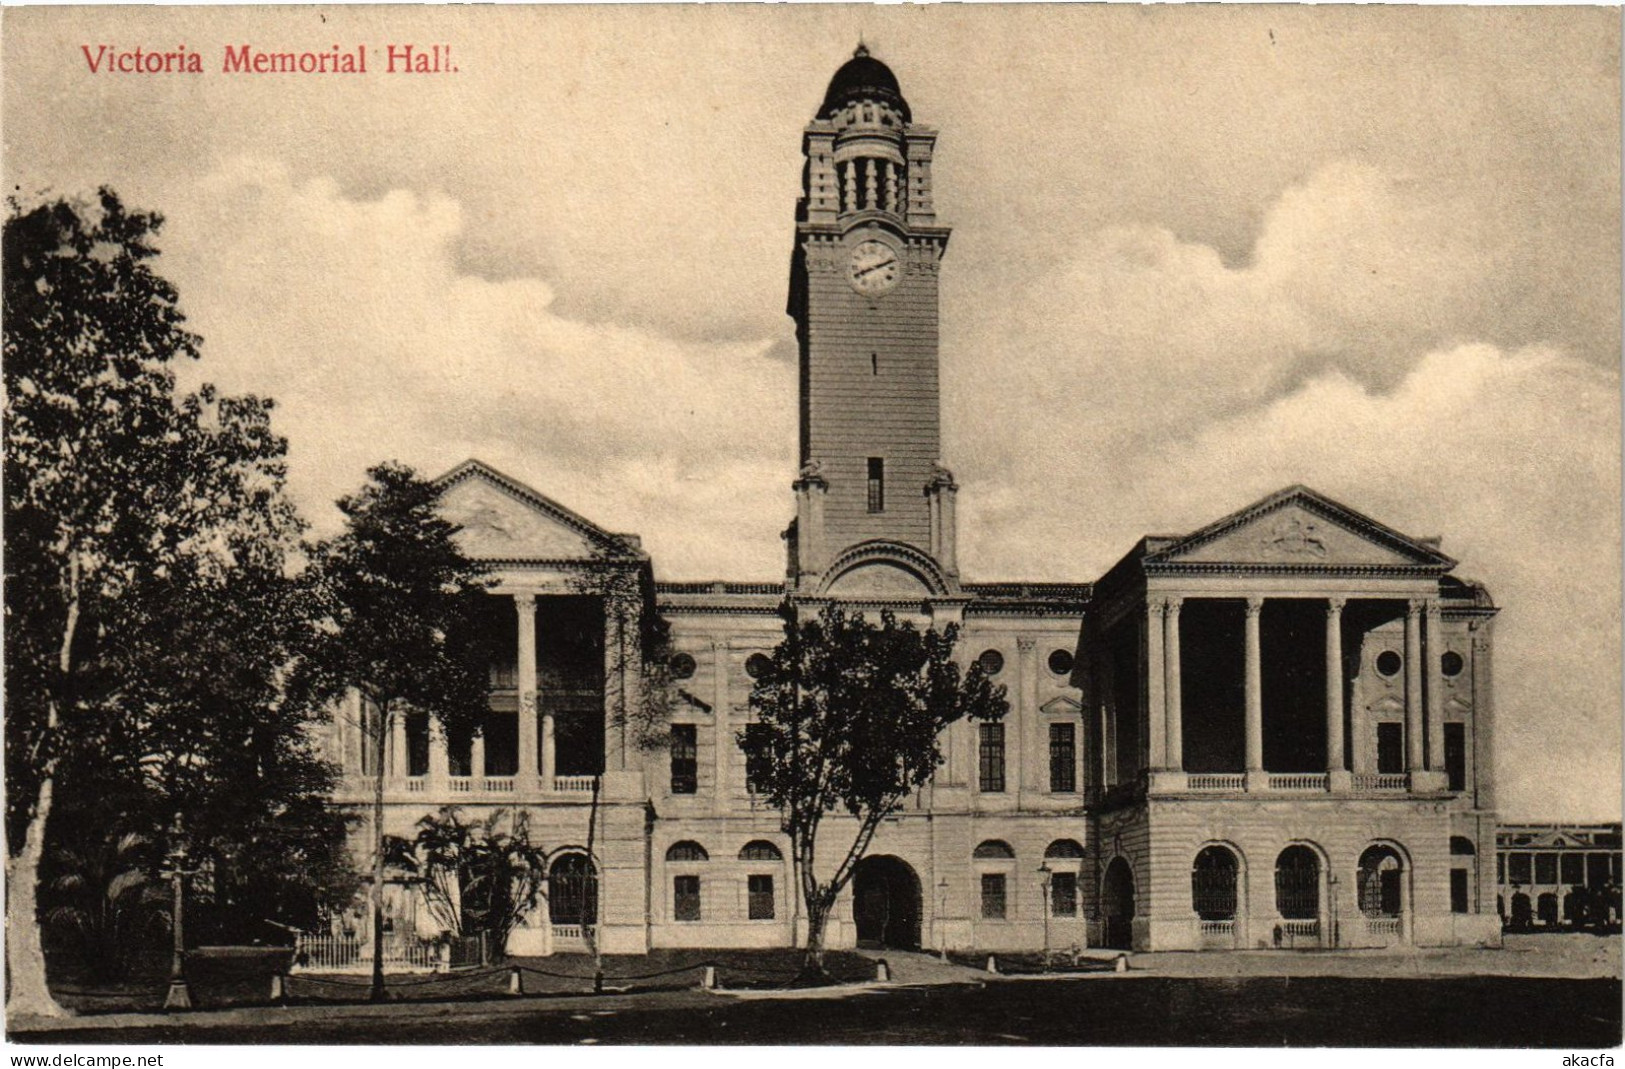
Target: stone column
{"x":400,"y":766}
{"x":1156,"y":712}
{"x":1334,"y":690}
{"x":1172,"y":685}
{"x":439,"y":758}
{"x":723,"y":745}
{"x":1413,"y":686}
{"x":524,"y":604}
{"x":1434,"y":645}
{"x":476,"y":761}
{"x":1253,"y":687}
{"x":1028,"y":750}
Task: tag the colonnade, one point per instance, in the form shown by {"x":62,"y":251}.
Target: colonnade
{"x":1424,"y":710}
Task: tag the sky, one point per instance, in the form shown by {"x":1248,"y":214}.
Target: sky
{"x":1199,"y":253}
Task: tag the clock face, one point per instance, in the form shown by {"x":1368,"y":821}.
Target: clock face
{"x":874,"y":268}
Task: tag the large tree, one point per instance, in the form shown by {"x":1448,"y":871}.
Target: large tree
{"x":402,"y":607}
{"x":849,"y":716}
{"x":117,"y":493}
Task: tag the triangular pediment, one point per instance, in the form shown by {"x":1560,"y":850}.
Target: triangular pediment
{"x":503,"y":519}
{"x":1061,"y":706}
{"x":1301,"y":530}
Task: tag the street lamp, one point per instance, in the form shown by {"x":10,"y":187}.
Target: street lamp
{"x":1045,"y":875}
{"x":179,"y":997}
{"x":942,"y":913}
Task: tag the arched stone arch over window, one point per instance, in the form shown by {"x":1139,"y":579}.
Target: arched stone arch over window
{"x":1063,"y":849}
{"x":1297,"y":883}
{"x":1380,"y":881}
{"x":687,"y":850}
{"x":1214,"y":880}
{"x":1461,"y":846}
{"x":1062,"y":872}
{"x":572,"y":894}
{"x":993,"y":850}
{"x":760,"y":850}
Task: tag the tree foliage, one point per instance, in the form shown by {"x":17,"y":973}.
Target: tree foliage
{"x":476,"y":878}
{"x":401,"y":609}
{"x":848,"y":718}
{"x":146,"y":543}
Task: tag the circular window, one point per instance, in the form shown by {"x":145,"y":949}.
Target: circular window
{"x":992,"y":662}
{"x":1388,"y":662}
{"x":1451,"y":663}
{"x":1060,"y":662}
{"x":682,"y":665}
{"x":756,"y":664}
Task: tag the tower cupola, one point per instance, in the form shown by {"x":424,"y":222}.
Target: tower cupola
{"x":858,"y":147}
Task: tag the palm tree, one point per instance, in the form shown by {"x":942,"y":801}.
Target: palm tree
{"x":108,"y":898}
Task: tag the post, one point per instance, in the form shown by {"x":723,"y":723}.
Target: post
{"x":1253,"y":683}
{"x":1334,"y":687}
{"x":179,"y":996}
{"x":400,"y":763}
{"x":1044,"y":878}
{"x":1172,"y":684}
{"x":1413,"y":686}
{"x":942,"y":919}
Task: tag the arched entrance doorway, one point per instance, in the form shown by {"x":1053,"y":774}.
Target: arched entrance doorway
{"x":1117,"y":906}
{"x":886,"y":903}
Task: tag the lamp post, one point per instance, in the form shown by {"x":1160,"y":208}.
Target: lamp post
{"x":180,"y":996}
{"x":942,"y":914}
{"x":1045,"y":875}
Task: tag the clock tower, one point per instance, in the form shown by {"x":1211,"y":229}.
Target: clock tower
{"x":863,"y":292}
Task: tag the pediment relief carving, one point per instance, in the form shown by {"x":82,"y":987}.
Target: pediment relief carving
{"x":496,"y":525}
{"x":1293,"y":535}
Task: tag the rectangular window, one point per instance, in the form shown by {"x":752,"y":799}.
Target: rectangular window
{"x":1458,"y":891}
{"x":1596,"y":871}
{"x":1455,"y":755}
{"x":1063,"y":758}
{"x":1518,"y":869}
{"x":1545,"y":868}
{"x":1574,"y":868}
{"x":685,"y":898}
{"x":991,"y":770}
{"x":685,"y":759}
{"x":993,"y":896}
{"x":417,"y":744}
{"x":1500,"y":868}
{"x":761,"y":898}
{"x":1063,"y":894}
{"x":1390,"y":749}
{"x":877,"y":484}
{"x":756,"y":768}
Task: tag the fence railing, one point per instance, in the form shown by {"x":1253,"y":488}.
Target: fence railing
{"x":1217,"y":933}
{"x":568,"y":931}
{"x":1381,"y":781}
{"x":468,"y":950}
{"x":1216,"y":781}
{"x":1385,"y":927}
{"x":1297,"y":781}
{"x":350,"y":953}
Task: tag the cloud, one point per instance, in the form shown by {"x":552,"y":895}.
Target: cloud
{"x":353,"y":315}
{"x":1140,"y":384}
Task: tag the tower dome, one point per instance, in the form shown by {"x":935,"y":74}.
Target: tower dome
{"x":863,"y":78}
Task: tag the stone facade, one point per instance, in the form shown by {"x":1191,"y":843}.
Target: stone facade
{"x":1273,"y":731}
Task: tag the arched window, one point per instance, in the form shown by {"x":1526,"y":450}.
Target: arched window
{"x":1213,"y":884}
{"x":1461,"y":846}
{"x":1063,"y":848}
{"x":1380,"y":878}
{"x":1297,"y":884}
{"x":572,"y":895}
{"x":760,"y":850}
{"x":994,"y":850}
{"x":687,"y":850}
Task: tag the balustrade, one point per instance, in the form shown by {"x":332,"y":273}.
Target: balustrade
{"x":574,"y":784}
{"x":1297,"y":781}
{"x":1216,"y":781}
{"x":498,"y":784}
{"x":460,"y":784}
{"x":1381,"y":781}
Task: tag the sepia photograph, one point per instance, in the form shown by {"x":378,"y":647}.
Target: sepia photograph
{"x":812,"y":525}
